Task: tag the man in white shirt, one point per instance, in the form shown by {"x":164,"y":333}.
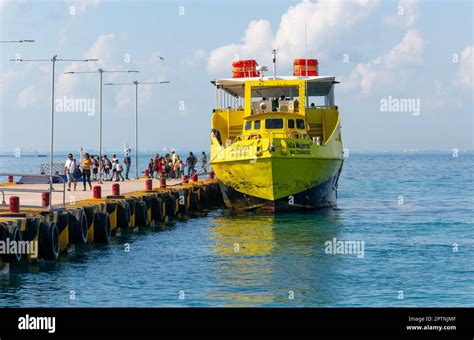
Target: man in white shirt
{"x":69,"y":168}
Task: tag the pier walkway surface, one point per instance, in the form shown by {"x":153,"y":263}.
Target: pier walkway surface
{"x":71,"y":197}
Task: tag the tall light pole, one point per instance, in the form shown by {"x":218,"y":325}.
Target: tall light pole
{"x":100,"y":71}
{"x":136,"y":83}
{"x":53,"y":60}
{"x":17,"y":41}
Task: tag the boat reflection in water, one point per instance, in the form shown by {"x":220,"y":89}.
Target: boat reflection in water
{"x":274,"y":260}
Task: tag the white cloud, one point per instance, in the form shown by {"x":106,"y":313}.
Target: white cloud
{"x":81,"y":5}
{"x":101,"y":49}
{"x":123,"y":97}
{"x":27,"y":97}
{"x":407,"y":14}
{"x":387,"y":68}
{"x":325,"y":21}
{"x":156,"y":71}
{"x":409,"y":50}
{"x":5,"y":79}
{"x":465,"y":77}
{"x":255,"y":45}
{"x":196,"y":57}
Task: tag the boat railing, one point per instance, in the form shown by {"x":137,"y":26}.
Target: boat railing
{"x":270,"y":136}
{"x":7,"y":188}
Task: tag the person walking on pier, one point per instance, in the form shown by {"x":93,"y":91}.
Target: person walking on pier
{"x":156,"y":166}
{"x":95,"y":168}
{"x":118,"y":171}
{"x":69,"y":168}
{"x":128,"y":162}
{"x":176,"y":162}
{"x":114,"y":170}
{"x":204,"y":162}
{"x":151,"y":168}
{"x":168,"y":165}
{"x":107,"y":165}
{"x":86,"y":170}
{"x":191,"y":163}
{"x":159,"y":167}
{"x":181,"y":169}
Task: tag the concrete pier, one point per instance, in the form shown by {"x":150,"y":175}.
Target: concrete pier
{"x":85,"y":219}
{"x":34,"y":198}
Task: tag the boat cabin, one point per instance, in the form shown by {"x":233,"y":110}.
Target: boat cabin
{"x":284,"y":107}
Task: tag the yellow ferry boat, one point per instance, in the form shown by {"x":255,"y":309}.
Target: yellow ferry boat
{"x":276,"y":142}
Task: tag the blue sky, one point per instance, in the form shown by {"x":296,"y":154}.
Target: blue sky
{"x":378,"y":50}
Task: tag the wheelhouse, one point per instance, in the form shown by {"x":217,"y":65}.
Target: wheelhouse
{"x":285,"y":107}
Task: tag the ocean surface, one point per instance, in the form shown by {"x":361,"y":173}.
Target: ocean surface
{"x":414,"y":213}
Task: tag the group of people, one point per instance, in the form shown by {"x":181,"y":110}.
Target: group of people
{"x":171,"y":165}
{"x":90,"y":166}
{"x":96,"y":169}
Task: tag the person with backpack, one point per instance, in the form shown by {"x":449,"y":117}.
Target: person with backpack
{"x":77,"y":172}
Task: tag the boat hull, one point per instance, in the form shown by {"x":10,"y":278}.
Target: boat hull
{"x":280,"y":184}
{"x":318,"y":197}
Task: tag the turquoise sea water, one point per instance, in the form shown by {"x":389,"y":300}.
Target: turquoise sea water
{"x":413,"y":211}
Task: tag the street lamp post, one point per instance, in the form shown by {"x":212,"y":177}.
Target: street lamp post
{"x":100,"y":71}
{"x":17,"y":41}
{"x":53,"y":60}
{"x":136,"y":83}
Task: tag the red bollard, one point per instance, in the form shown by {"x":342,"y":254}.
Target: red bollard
{"x":14,"y":206}
{"x":147,"y":172}
{"x":185,"y":179}
{"x":97,"y":191}
{"x":162,"y":182}
{"x":211,"y":175}
{"x":45,"y":199}
{"x":115,"y":189}
{"x":10,"y":179}
{"x":149,"y":185}
{"x":195,"y":177}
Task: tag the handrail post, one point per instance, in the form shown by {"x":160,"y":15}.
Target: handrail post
{"x":64,"y":194}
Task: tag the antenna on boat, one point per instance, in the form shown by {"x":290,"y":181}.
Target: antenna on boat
{"x":306,"y":52}
{"x":274,"y":52}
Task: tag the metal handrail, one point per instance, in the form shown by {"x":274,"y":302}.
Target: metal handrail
{"x":50,"y":190}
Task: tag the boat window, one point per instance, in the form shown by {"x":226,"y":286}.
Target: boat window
{"x":256,"y":125}
{"x":248,"y":125}
{"x":300,"y":124}
{"x":275,"y":123}
{"x":291,"y":124}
